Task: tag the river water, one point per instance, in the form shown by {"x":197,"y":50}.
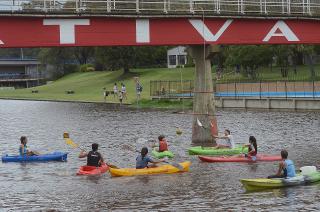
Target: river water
{"x":215,"y":187}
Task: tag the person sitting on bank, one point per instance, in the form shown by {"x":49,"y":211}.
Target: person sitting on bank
{"x":23,"y":149}
{"x":286,"y":167}
{"x":143,"y":159}
{"x":252,"y":148}
{"x":163,"y":145}
{"x":228,"y":137}
{"x":94,"y":158}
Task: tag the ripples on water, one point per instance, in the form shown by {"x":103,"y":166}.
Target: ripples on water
{"x":43,"y":186}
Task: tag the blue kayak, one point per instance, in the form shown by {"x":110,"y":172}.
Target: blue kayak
{"x":55,"y":156}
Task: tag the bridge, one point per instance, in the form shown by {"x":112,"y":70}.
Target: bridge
{"x":290,"y":8}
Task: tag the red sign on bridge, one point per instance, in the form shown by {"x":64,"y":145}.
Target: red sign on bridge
{"x":106,"y":31}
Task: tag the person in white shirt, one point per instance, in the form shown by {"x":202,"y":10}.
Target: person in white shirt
{"x":124,"y":91}
{"x":115,"y":90}
{"x":228,"y":137}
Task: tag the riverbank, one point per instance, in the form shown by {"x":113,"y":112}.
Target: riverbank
{"x":89,"y":86}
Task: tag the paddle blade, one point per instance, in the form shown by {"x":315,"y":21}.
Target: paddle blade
{"x":71,"y":143}
{"x":199,"y":123}
{"x":66,"y":135}
{"x":176,"y":165}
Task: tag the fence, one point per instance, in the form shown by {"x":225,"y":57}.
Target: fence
{"x":175,"y":7}
{"x":283,"y":89}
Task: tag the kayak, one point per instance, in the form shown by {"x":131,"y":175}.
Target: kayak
{"x":263,"y":183}
{"x":240,"y":158}
{"x":157,"y":154}
{"x":92,"y":170}
{"x":55,"y":156}
{"x":164,"y":169}
{"x":199,"y":150}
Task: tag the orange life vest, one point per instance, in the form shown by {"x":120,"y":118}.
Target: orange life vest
{"x":163,"y":146}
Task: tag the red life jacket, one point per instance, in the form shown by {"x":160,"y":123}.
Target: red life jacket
{"x":163,"y":146}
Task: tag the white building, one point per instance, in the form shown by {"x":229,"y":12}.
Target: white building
{"x":176,"y":56}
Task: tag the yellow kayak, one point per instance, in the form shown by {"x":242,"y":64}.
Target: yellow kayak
{"x":164,"y":169}
{"x":263,"y":183}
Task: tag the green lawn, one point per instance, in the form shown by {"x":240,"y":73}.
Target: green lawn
{"x":89,"y":86}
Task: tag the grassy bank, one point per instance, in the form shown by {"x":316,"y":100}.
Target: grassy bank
{"x":89,"y":86}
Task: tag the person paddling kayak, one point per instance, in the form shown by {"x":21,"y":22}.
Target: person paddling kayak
{"x":94,"y":158}
{"x":163,"y":145}
{"x":23,"y":149}
{"x":228,"y":137}
{"x":252,"y":148}
{"x":143,"y":159}
{"x":286,"y":167}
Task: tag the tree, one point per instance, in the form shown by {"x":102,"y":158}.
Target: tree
{"x":282,"y":54}
{"x":83,"y":54}
{"x":114,"y":58}
{"x":59,"y":58}
{"x":249,"y":57}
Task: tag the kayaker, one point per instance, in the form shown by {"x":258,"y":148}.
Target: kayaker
{"x":228,"y":137}
{"x":94,"y":158}
{"x":286,"y":167}
{"x":163,"y":145}
{"x":23,"y":149}
{"x":252,"y":148}
{"x":143,"y":159}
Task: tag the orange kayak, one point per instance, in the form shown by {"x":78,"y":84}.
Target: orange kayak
{"x":92,"y":170}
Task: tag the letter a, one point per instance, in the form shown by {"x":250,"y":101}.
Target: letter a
{"x":285,"y":32}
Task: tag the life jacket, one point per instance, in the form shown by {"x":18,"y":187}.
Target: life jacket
{"x":290,"y":169}
{"x":163,"y":146}
{"x":24,"y":150}
{"x":93,"y":158}
{"x":255,"y":150}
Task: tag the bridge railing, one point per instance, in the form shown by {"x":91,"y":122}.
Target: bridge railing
{"x":162,"y":7}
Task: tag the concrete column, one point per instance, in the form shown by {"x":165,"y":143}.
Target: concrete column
{"x":203,"y":100}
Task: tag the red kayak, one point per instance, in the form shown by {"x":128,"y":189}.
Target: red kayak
{"x":92,"y":170}
{"x":240,"y":158}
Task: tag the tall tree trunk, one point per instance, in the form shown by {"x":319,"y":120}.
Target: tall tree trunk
{"x":203,"y":100}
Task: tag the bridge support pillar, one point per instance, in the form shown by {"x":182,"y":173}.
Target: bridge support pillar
{"x":203,"y":99}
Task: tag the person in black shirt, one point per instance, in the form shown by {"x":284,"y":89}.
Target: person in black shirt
{"x":94,"y":158}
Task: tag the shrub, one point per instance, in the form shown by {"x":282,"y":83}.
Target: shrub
{"x":86,"y":68}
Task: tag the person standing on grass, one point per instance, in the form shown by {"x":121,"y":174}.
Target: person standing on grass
{"x":124,"y":91}
{"x":115,"y":90}
{"x":120,"y":97}
{"x":138,"y":90}
{"x":105,"y":94}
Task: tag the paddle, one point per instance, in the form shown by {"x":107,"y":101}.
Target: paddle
{"x":176,"y":165}
{"x":71,"y":143}
{"x":201,"y":125}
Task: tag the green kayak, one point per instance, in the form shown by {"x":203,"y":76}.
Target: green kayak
{"x":199,"y":150}
{"x":157,"y":154}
